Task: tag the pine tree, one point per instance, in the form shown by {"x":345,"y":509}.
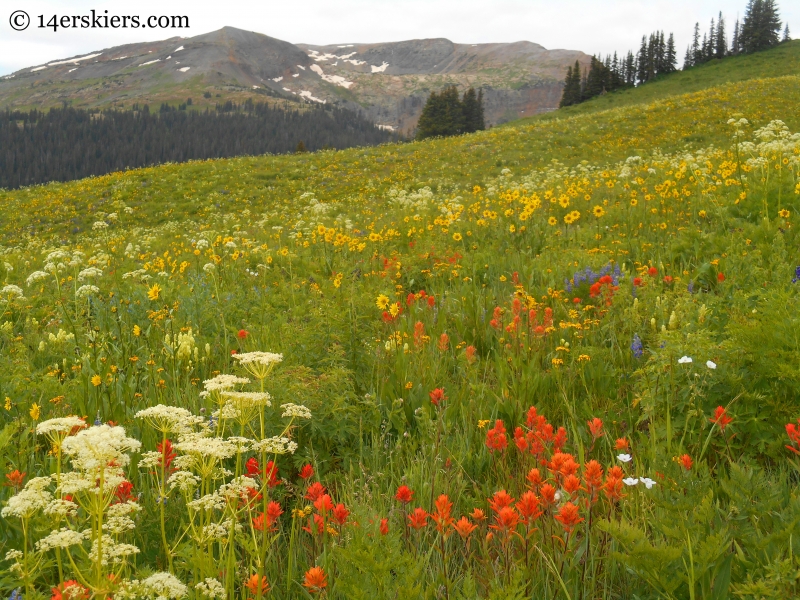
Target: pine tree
{"x":596,"y":80}
{"x":735,"y":40}
{"x":688,"y":58}
{"x":630,"y":69}
{"x":566,"y":93}
{"x":786,"y":36}
{"x":642,"y":62}
{"x":761,"y":26}
{"x":430,"y":119}
{"x":472,"y":106}
{"x":697,"y":55}
{"x":671,"y":57}
{"x":721,"y":42}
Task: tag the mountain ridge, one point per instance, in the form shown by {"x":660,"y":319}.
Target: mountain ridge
{"x":386,"y":82}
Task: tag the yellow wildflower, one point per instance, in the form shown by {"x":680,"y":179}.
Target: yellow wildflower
{"x":382,"y":301}
{"x":34,"y":412}
{"x":154,"y":291}
{"x":96,"y":380}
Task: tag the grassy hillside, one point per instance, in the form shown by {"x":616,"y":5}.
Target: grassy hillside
{"x":777,"y":62}
{"x":555,"y":359}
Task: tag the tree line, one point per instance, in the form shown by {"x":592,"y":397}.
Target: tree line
{"x":759,"y":30}
{"x":446,"y":114}
{"x":67,"y":143}
{"x":657,"y":56}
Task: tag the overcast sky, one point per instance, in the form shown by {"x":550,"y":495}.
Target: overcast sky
{"x":589,"y":25}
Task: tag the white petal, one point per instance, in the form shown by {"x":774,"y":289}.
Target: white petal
{"x":625,"y":458}
{"x":630,"y":481}
{"x":711,"y":364}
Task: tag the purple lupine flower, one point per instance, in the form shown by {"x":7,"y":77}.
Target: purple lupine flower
{"x":636,"y":347}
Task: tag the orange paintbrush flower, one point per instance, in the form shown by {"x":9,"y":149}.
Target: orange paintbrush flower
{"x":528,"y":507}
{"x":252,"y":584}
{"x":569,"y":516}
{"x":418,"y":519}
{"x":315,"y":580}
{"x":464,"y":527}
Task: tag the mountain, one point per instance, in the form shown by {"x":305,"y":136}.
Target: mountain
{"x":388,"y":82}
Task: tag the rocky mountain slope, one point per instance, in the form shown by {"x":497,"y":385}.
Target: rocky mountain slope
{"x":387,"y":82}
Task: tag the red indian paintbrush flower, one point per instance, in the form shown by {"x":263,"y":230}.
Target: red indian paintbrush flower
{"x":593,"y":478}
{"x":442,"y":516}
{"x":621,"y":444}
{"x":613,"y":485}
{"x":478,"y":515}
{"x":340,"y":514}
{"x":496,"y":437}
{"x":315,"y":580}
{"x":721,"y":418}
{"x":124,"y":491}
{"x":437,"y":396}
{"x":324,"y":503}
{"x":252,"y":466}
{"x":418,"y":518}
{"x":792,"y":430}
{"x":568,"y":516}
{"x":242,"y":334}
{"x":404,"y":494}
{"x":572,"y":484}
{"x":548,"y":495}
{"x":506,"y":521}
{"x":444,"y":342}
{"x":69,"y":590}
{"x":306,"y":472}
{"x":384,"y":528}
{"x":315,"y":491}
{"x":464,"y":527}
{"x":528,"y":507}
{"x":500,"y":500}
{"x":167,"y":454}
{"x":595,"y":428}
{"x":15,"y":478}
{"x":252,"y":584}
{"x":686,"y":462}
{"x":534,"y":478}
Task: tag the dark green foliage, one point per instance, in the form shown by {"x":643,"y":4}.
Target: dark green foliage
{"x":656,"y":56}
{"x":761,"y":26}
{"x":445,"y":114}
{"x":472,"y":105}
{"x":572,"y":86}
{"x":67,"y":143}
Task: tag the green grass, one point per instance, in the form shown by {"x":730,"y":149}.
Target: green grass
{"x":425,"y":296}
{"x":777,"y":62}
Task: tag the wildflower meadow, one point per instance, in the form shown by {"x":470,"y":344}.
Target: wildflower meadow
{"x":555,"y":359}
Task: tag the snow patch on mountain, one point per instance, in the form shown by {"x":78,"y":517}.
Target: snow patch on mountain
{"x":334,"y":79}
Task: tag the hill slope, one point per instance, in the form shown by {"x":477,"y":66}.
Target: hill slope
{"x":386,"y":82}
{"x":581,"y":329}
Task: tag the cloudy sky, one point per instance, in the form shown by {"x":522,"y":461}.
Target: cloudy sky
{"x":589,"y":25}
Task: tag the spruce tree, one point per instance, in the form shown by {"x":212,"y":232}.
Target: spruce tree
{"x":697,"y":55}
{"x":761,"y":26}
{"x":572,"y":86}
{"x":688,"y":58}
{"x":642,"y":62}
{"x":735,"y":39}
{"x":473,"y":111}
{"x":430,"y":119}
{"x":671,"y":58}
{"x":786,"y":36}
{"x":721,"y":42}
